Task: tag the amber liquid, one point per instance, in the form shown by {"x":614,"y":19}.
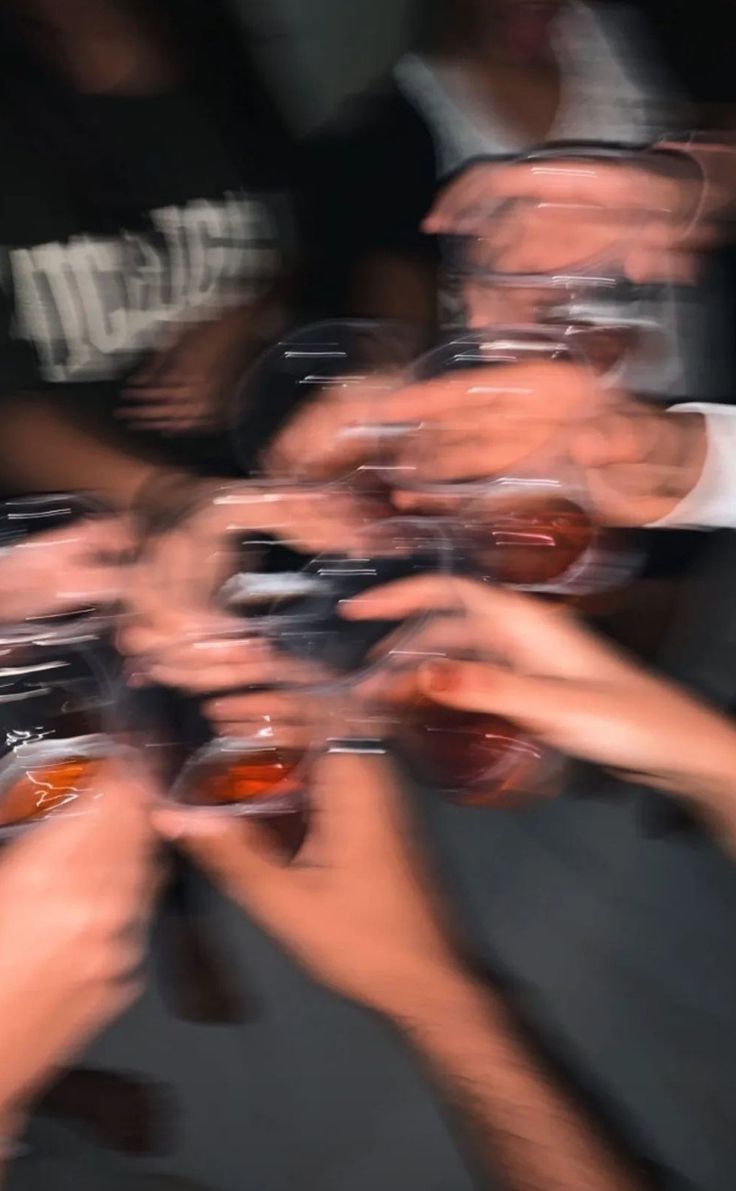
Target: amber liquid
{"x":476,"y":760}
{"x":269,"y":779}
{"x":530,"y":543}
{"x":251,"y":777}
{"x":48,"y":790}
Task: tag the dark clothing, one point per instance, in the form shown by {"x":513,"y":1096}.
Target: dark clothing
{"x":367,"y":183}
{"x":124,"y":216}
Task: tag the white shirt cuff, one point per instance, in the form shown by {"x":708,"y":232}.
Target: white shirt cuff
{"x":711,"y":504}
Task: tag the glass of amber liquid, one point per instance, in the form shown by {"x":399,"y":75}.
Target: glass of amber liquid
{"x":469,"y":758}
{"x":55,"y":735}
{"x":529,"y":525}
{"x":537,"y":534}
{"x":472,"y":759}
{"x":258,"y":769}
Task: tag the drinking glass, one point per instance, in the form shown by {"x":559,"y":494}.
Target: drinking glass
{"x":57,"y":730}
{"x":342,"y":359}
{"x":285,"y":604}
{"x":545,"y":241}
{"x":22,"y":522}
{"x":469,"y":758}
{"x":565,"y":263}
{"x":532,"y":526}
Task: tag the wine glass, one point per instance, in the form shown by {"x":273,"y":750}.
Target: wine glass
{"x":342,"y":360}
{"x":532,"y":525}
{"x":58,"y":729}
{"x":268,"y":592}
{"x":33,"y":524}
{"x":565,"y":262}
{"x":472,"y":759}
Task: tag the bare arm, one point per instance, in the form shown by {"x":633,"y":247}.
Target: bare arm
{"x":528,"y":1130}
{"x":43,"y":450}
{"x":355,"y":909}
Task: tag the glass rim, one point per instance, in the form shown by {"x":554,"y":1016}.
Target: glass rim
{"x":275,"y":352}
{"x":271,"y":625}
{"x":288,"y":802}
{"x":36,"y":754}
{"x":74,"y":626}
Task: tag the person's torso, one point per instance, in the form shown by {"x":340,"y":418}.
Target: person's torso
{"x":151,"y":226}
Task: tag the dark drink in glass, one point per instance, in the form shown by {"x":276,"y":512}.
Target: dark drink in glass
{"x":529,"y":542}
{"x":251,"y":778}
{"x":55,"y":720}
{"x":47,"y":788}
{"x":474,"y":760}
{"x":266,"y":779}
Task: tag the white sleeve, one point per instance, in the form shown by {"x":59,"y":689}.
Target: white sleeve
{"x":711,"y":504}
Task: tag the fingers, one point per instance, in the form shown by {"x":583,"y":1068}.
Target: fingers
{"x":524,"y":632}
{"x":638,"y":465}
{"x":552,"y":388}
{"x":446,"y":458}
{"x":356,"y":809}
{"x":288,"y":706}
{"x":485,"y":688}
{"x":108,"y":536}
{"x":319,"y":520}
{"x":480,"y":191}
{"x":407,"y":597}
{"x":210,"y":666}
{"x":174,"y":408}
{"x":238,"y":856}
{"x":319,"y":441}
{"x":576,"y":716}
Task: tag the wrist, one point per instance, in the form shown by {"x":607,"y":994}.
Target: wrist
{"x":693,"y":446}
{"x":438,"y":992}
{"x":163,"y":495}
{"x":709,"y":784}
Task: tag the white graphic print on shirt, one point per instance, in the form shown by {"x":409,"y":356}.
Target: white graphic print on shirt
{"x":91,"y":305}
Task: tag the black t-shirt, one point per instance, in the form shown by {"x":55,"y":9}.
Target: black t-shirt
{"x":367,"y":182}
{"x":122,"y":218}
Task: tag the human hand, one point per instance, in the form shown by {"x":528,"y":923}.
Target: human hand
{"x":482,"y":422}
{"x":639,"y":463}
{"x":77,"y":893}
{"x":473,"y":423}
{"x":538,"y":216}
{"x":179,"y":633}
{"x":354,"y":907}
{"x":187,"y":385}
{"x":331,"y":435}
{"x":83,"y":565}
{"x":546,"y":672}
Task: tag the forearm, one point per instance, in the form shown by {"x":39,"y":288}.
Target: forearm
{"x":43,"y":451}
{"x":705,"y":778}
{"x":530,"y":1132}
